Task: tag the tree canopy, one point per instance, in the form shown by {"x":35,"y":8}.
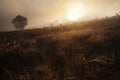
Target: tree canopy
{"x":19,"y":22}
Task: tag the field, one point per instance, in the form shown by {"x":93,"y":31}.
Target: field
{"x":88,"y":50}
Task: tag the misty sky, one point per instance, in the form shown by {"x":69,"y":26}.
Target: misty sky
{"x":41,"y":12}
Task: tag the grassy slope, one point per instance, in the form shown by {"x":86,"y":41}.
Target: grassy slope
{"x":78,"y":51}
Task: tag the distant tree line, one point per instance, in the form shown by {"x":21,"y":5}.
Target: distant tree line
{"x":20,"y":22}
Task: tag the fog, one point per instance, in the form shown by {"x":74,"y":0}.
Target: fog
{"x":41,"y":12}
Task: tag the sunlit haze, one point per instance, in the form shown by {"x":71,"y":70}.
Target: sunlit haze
{"x":75,"y":11}
{"x":43,"y":12}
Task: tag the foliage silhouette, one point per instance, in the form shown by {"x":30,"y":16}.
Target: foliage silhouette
{"x":19,"y":22}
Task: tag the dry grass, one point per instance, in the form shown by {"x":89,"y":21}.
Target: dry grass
{"x":77,"y":51}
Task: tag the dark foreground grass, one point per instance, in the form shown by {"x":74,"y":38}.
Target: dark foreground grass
{"x":78,"y":51}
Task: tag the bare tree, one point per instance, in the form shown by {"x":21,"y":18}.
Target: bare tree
{"x":19,"y":22}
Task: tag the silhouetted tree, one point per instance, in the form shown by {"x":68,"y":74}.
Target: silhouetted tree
{"x":19,"y":22}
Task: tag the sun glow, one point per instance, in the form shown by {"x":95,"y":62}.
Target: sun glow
{"x":74,"y":13}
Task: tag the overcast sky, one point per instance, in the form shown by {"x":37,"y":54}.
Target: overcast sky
{"x":41,"y":12}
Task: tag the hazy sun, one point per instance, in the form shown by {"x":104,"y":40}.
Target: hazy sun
{"x":74,"y":13}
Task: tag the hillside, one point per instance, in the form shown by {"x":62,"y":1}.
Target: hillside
{"x":88,"y":50}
